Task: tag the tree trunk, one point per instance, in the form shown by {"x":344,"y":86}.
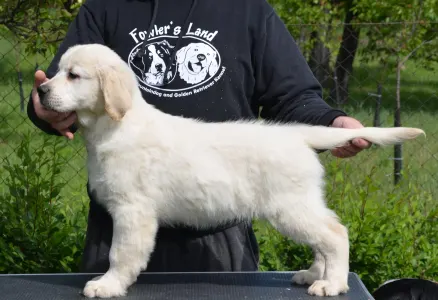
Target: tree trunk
{"x":346,"y":55}
{"x":319,"y":60}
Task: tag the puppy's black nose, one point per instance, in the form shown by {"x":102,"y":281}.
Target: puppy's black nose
{"x":159,"y":67}
{"x":42,"y":91}
{"x":201,"y":56}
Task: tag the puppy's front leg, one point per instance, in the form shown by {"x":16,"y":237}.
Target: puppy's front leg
{"x":133,"y":241}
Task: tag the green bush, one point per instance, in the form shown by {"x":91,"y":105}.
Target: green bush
{"x":38,"y":233}
{"x":392,"y":235}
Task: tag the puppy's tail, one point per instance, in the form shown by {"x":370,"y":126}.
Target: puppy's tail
{"x":327,"y":138}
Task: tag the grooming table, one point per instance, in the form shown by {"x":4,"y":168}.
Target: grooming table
{"x":174,"y":286}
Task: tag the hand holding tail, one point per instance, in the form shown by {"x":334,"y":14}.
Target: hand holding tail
{"x":353,"y":147}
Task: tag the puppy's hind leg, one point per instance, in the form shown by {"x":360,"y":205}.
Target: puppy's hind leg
{"x":133,"y":241}
{"x":335,"y":249}
{"x":308,"y":221}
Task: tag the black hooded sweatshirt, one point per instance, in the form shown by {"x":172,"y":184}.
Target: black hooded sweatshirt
{"x":207,"y":59}
{"x":220,"y":61}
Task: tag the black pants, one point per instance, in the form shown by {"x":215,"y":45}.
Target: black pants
{"x":177,"y":250}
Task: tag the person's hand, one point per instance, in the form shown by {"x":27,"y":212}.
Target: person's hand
{"x":353,"y":147}
{"x":59,"y":121}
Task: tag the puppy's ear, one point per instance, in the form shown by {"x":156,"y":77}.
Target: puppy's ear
{"x":166,"y":44}
{"x":116,"y":87}
{"x":212,"y":68}
{"x":181,"y":54}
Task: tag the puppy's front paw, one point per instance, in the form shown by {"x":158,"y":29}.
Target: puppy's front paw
{"x":305,"y":277}
{"x":104,"y":287}
{"x":327,"y":288}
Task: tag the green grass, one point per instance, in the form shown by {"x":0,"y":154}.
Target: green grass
{"x":420,"y":157}
{"x":418,"y":89}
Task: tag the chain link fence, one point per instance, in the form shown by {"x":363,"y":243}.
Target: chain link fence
{"x":375,"y":72}
{"x":379,"y":73}
{"x":359,"y":72}
{"x":17,"y":70}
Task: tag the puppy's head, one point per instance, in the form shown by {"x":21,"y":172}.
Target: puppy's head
{"x":91,"y":78}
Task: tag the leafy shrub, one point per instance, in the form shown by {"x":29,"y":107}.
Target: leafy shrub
{"x":38,"y":233}
{"x":392,"y":235}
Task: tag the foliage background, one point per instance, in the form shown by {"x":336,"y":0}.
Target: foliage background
{"x":355,"y":49}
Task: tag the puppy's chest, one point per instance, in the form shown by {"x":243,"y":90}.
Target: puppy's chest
{"x":106,"y":176}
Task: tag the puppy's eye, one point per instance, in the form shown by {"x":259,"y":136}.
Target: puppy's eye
{"x":72,"y":75}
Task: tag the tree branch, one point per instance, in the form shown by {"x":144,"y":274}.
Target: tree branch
{"x":12,"y":14}
{"x":413,"y":51}
{"x":416,"y":17}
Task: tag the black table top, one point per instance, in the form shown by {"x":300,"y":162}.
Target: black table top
{"x":174,"y":286}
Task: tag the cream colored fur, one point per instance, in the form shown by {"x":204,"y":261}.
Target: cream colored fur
{"x":150,"y":168}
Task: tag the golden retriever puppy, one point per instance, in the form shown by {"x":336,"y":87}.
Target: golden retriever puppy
{"x":150,"y":168}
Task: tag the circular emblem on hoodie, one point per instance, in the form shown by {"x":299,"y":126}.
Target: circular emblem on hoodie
{"x":163,"y":68}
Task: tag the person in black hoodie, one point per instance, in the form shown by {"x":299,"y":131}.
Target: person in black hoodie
{"x":212,"y":60}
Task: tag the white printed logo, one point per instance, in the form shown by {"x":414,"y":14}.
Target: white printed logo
{"x":194,"y":69}
{"x":196,"y":61}
{"x":153,"y":65}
